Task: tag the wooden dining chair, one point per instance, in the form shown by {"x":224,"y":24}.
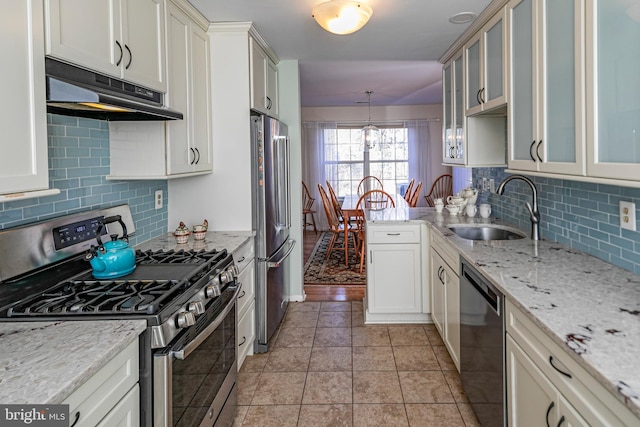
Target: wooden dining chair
{"x":367,"y":183}
{"x":441,"y":188}
{"x":307,"y":208}
{"x":335,"y":226}
{"x":376,"y":199}
{"x":408,"y":192}
{"x":413,"y":201}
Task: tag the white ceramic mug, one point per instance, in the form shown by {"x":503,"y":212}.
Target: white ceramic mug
{"x":485,"y":210}
{"x":471,"y":210}
{"x":453,"y":209}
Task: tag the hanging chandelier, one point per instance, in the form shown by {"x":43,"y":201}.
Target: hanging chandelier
{"x":342,"y":16}
{"x":370,"y":133}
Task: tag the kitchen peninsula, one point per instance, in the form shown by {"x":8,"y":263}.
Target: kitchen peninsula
{"x":585,"y":306}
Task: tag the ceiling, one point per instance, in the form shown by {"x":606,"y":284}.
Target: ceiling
{"x":395,"y":55}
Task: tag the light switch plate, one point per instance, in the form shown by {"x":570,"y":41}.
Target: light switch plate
{"x":628,"y":215}
{"x":492,"y":185}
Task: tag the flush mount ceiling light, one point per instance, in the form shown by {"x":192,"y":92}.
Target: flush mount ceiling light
{"x":370,"y":133}
{"x":462,"y":18}
{"x":342,"y":16}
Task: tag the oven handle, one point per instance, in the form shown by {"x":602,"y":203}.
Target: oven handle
{"x":188,"y":349}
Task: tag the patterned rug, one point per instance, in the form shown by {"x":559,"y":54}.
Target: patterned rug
{"x":332,"y":271}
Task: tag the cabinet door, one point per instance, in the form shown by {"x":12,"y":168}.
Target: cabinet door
{"x":144,"y":43}
{"x":272,"y":88}
{"x":531,"y":398}
{"x":522,"y":76}
{"x":258,"y":62}
{"x":126,"y":413}
{"x":180,"y":154}
{"x":447,"y":112}
{"x":85,"y":32}
{"x":613,"y":83}
{"x":394,"y":279}
{"x":23,"y":164}
{"x":452,"y":313}
{"x":201,"y":97}
{"x":473,"y":77}
{"x":485,"y":62}
{"x":437,"y":292}
{"x":561,"y":101}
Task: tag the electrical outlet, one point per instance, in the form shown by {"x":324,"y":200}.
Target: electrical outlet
{"x":492,"y":185}
{"x":158,"y":199}
{"x":484,"y":184}
{"x":628,"y":215}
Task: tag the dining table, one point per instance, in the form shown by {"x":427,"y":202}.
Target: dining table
{"x":350,"y":210}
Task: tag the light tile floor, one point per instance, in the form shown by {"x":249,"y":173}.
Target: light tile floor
{"x":326,"y":368}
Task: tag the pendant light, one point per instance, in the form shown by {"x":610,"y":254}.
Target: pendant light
{"x":370,"y":133}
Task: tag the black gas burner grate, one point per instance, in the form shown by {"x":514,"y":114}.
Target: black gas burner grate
{"x":159,"y":279}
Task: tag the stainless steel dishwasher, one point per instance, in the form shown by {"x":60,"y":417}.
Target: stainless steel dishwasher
{"x":482,"y":338}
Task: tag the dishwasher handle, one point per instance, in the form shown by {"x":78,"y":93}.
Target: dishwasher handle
{"x":487,"y":292}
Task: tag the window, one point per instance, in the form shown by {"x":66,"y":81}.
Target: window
{"x":346,"y":163}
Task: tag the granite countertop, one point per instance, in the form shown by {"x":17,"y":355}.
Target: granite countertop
{"x":587,"y":306}
{"x":44,"y":362}
{"x":229,"y":240}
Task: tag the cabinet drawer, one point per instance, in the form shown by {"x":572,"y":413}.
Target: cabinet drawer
{"x":244,"y":254}
{"x":246,"y":334}
{"x":448,"y":253}
{"x":393,"y":234}
{"x":590,"y":398}
{"x":96,"y":397}
{"x":126,"y":413}
{"x":248,"y":279}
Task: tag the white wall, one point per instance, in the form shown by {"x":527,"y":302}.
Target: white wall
{"x":289,"y":113}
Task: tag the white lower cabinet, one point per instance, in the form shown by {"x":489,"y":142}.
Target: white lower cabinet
{"x":395,"y":285}
{"x":445,"y":294}
{"x":111,"y":397}
{"x":545,"y":386}
{"x":244,"y":258}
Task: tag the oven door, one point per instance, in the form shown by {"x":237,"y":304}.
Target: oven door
{"x":194,"y":376}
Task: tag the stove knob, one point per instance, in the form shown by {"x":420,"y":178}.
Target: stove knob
{"x":235,"y":270}
{"x":196,"y":307}
{"x":186,"y":319}
{"x":213,"y":290}
{"x":226,"y":277}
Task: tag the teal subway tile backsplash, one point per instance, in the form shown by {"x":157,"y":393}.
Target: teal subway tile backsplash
{"x":582,"y":215}
{"x":78,"y":150}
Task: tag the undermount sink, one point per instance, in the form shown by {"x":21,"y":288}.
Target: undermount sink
{"x":487,"y":233}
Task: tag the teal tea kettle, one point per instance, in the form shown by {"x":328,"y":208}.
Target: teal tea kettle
{"x":111,"y":259}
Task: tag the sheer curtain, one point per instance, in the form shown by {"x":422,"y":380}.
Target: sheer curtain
{"x":313,"y":170}
{"x":420,"y":156}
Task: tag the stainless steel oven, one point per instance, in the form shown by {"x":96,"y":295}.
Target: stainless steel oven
{"x":194,"y":377}
{"x":187,"y":298}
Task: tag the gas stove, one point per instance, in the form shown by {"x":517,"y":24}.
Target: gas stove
{"x":169,"y":289}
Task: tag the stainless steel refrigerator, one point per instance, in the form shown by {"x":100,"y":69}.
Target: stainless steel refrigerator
{"x":271,"y":221}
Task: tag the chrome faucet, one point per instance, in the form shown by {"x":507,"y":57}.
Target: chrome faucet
{"x":534,"y":215}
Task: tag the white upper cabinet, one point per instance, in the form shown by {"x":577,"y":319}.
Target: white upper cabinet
{"x":121,"y":38}
{"x":546,"y":74}
{"x":175,"y":148}
{"x":23,"y":163}
{"x":188,"y":140}
{"x":485,"y":67}
{"x":613,"y":83}
{"x":264,"y":81}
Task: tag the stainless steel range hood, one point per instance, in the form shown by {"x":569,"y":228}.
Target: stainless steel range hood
{"x":74,"y":91}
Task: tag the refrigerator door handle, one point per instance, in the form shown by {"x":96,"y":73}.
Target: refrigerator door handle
{"x":276,"y":264}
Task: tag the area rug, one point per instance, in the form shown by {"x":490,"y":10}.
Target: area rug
{"x":332,"y":271}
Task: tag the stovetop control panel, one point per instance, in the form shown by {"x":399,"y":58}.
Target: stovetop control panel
{"x":77,"y":232}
